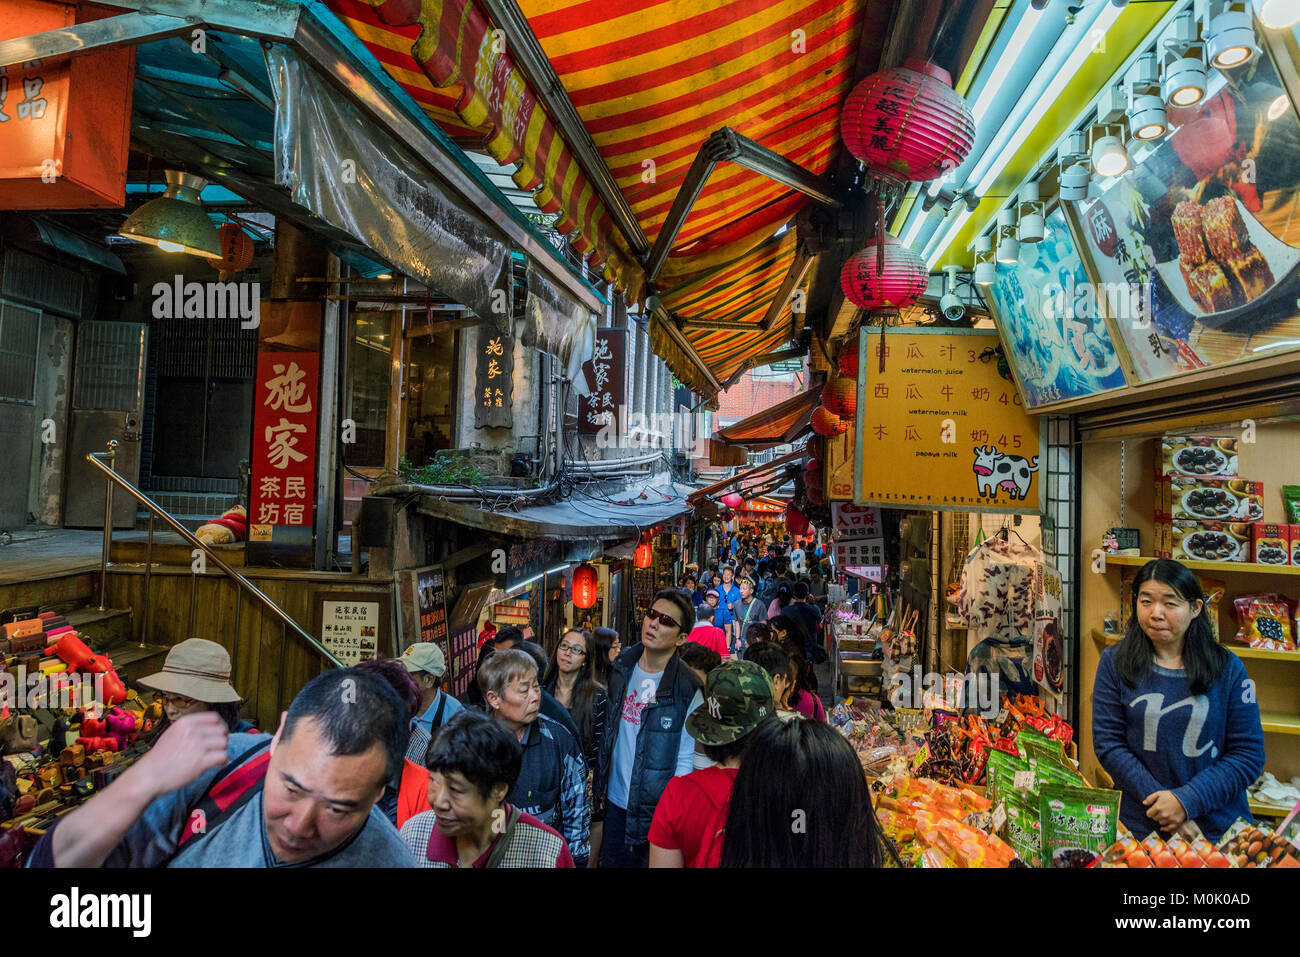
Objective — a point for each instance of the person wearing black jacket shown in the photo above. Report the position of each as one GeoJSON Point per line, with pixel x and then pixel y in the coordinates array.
{"type": "Point", "coordinates": [650, 694]}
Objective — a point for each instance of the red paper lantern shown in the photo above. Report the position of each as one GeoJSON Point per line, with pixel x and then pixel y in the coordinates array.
{"type": "Point", "coordinates": [584, 586]}
{"type": "Point", "coordinates": [643, 555]}
{"type": "Point", "coordinates": [908, 123]}
{"type": "Point", "coordinates": [733, 500]}
{"type": "Point", "coordinates": [796, 522]}
{"type": "Point", "coordinates": [841, 396]}
{"type": "Point", "coordinates": [812, 465]}
{"type": "Point", "coordinates": [898, 285]}
{"type": "Point", "coordinates": [813, 481]}
{"type": "Point", "coordinates": [825, 422]}
{"type": "Point", "coordinates": [847, 360]}
{"type": "Point", "coordinates": [236, 250]}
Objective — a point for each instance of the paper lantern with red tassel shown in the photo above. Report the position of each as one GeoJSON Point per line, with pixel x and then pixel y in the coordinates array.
{"type": "Point", "coordinates": [733, 500]}
{"type": "Point", "coordinates": [585, 585]}
{"type": "Point", "coordinates": [236, 250]}
{"type": "Point", "coordinates": [899, 284]}
{"type": "Point", "coordinates": [908, 123]}
{"type": "Point", "coordinates": [840, 395]}
{"type": "Point", "coordinates": [825, 422]}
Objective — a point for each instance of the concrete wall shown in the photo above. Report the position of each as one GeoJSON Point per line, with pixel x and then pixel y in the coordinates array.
{"type": "Point", "coordinates": [53, 387]}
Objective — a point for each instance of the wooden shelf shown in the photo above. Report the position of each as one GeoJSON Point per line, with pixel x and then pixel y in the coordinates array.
{"type": "Point", "coordinates": [1250, 568]}
{"type": "Point", "coordinates": [1104, 638]}
{"type": "Point", "coordinates": [1279, 723]}
{"type": "Point", "coordinates": [1268, 810]}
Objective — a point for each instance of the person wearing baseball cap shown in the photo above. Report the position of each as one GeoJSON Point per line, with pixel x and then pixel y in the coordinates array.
{"type": "Point", "coordinates": [738, 697]}
{"type": "Point", "coordinates": [196, 677]}
{"type": "Point", "coordinates": [427, 665]}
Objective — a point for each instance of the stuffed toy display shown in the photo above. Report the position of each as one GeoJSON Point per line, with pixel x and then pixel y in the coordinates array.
{"type": "Point", "coordinates": [231, 527]}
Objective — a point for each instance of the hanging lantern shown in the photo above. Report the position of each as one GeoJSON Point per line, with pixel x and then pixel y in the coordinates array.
{"type": "Point", "coordinates": [643, 555]}
{"type": "Point", "coordinates": [812, 465]}
{"type": "Point", "coordinates": [901, 281]}
{"type": "Point", "coordinates": [584, 586]}
{"type": "Point", "coordinates": [908, 123]}
{"type": "Point", "coordinates": [796, 522]}
{"type": "Point", "coordinates": [733, 500]}
{"type": "Point", "coordinates": [236, 250]}
{"type": "Point", "coordinates": [847, 360]}
{"type": "Point", "coordinates": [813, 482]}
{"type": "Point", "coordinates": [825, 422]}
{"type": "Point", "coordinates": [841, 396]}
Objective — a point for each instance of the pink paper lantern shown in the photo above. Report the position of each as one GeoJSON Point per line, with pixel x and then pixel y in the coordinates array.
{"type": "Point", "coordinates": [908, 123]}
{"type": "Point", "coordinates": [733, 500]}
{"type": "Point", "coordinates": [900, 283]}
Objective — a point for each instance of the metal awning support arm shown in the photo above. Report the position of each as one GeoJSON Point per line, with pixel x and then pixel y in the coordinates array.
{"type": "Point", "coordinates": [793, 277]}
{"type": "Point", "coordinates": [657, 309]}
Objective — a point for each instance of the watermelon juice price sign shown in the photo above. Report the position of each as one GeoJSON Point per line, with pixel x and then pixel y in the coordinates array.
{"type": "Point", "coordinates": [939, 428]}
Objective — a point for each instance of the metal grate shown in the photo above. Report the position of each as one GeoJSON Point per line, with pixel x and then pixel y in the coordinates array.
{"type": "Point", "coordinates": [20, 330]}
{"type": "Point", "coordinates": [38, 281]}
{"type": "Point", "coordinates": [1060, 542]}
{"type": "Point", "coordinates": [110, 366]}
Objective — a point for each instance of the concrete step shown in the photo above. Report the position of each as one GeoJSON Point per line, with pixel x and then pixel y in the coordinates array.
{"type": "Point", "coordinates": [102, 629]}
{"type": "Point", "coordinates": [133, 661]}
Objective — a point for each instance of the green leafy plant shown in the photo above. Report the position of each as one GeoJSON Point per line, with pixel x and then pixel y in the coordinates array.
{"type": "Point", "coordinates": [441, 471]}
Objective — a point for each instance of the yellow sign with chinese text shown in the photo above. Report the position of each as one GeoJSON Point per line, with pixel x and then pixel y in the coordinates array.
{"type": "Point", "coordinates": [939, 428]}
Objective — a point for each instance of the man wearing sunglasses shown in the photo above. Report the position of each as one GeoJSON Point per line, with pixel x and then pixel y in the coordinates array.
{"type": "Point", "coordinates": [650, 694]}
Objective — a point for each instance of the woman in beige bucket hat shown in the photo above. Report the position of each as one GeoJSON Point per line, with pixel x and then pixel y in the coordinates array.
{"type": "Point", "coordinates": [196, 677]}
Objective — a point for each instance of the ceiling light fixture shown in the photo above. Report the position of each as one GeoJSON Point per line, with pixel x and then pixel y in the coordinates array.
{"type": "Point", "coordinates": [1278, 14]}
{"type": "Point", "coordinates": [1230, 40]}
{"type": "Point", "coordinates": [1008, 252]}
{"type": "Point", "coordinates": [1075, 181]}
{"type": "Point", "coordinates": [175, 222]}
{"type": "Point", "coordinates": [986, 270]}
{"type": "Point", "coordinates": [1109, 158]}
{"type": "Point", "coordinates": [1032, 226]}
{"type": "Point", "coordinates": [1147, 117]}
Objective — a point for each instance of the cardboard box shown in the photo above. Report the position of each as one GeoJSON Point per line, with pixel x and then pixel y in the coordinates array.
{"type": "Point", "coordinates": [1211, 541]}
{"type": "Point", "coordinates": [1270, 544]}
{"type": "Point", "coordinates": [1215, 500]}
{"type": "Point", "coordinates": [1198, 456]}
{"type": "Point", "coordinates": [1162, 499]}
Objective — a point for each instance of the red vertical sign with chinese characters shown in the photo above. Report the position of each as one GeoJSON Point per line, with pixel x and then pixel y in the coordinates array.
{"type": "Point", "coordinates": [605, 374]}
{"type": "Point", "coordinates": [283, 481]}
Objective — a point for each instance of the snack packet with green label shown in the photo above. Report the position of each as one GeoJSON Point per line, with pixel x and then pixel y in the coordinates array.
{"type": "Point", "coordinates": [1291, 496]}
{"type": "Point", "coordinates": [1077, 824]}
{"type": "Point", "coordinates": [1021, 829]}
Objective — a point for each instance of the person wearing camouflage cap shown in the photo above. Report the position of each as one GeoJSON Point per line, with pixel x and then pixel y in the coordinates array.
{"type": "Point", "coordinates": [738, 697]}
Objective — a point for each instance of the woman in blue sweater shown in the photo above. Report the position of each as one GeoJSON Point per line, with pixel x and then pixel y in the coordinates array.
{"type": "Point", "coordinates": [1174, 716]}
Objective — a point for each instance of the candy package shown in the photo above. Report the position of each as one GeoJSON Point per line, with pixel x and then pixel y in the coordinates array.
{"type": "Point", "coordinates": [1076, 824]}
{"type": "Point", "coordinates": [1159, 852]}
{"type": "Point", "coordinates": [1124, 852]}
{"type": "Point", "coordinates": [1213, 589]}
{"type": "Point", "coordinates": [1264, 621]}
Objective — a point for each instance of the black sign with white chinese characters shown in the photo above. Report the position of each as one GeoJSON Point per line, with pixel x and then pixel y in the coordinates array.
{"type": "Point", "coordinates": [605, 375]}
{"type": "Point", "coordinates": [494, 380]}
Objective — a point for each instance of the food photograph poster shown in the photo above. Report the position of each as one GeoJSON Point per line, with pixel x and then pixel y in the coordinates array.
{"type": "Point", "coordinates": [1207, 226]}
{"type": "Point", "coordinates": [1051, 323]}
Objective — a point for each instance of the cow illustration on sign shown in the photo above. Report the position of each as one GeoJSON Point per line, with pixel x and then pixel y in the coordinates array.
{"type": "Point", "coordinates": [996, 471]}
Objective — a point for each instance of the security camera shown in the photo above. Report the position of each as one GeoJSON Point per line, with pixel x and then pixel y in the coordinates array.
{"type": "Point", "coordinates": [952, 306]}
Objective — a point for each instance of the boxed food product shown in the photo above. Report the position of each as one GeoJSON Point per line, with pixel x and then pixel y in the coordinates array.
{"type": "Point", "coordinates": [1270, 544]}
{"type": "Point", "coordinates": [1162, 498]}
{"type": "Point", "coordinates": [1293, 537]}
{"type": "Point", "coordinates": [1199, 455]}
{"type": "Point", "coordinates": [1216, 500]}
{"type": "Point", "coordinates": [1211, 541]}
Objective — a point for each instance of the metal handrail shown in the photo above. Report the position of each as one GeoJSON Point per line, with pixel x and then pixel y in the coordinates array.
{"type": "Point", "coordinates": [156, 509]}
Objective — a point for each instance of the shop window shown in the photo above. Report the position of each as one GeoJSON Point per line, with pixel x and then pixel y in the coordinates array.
{"type": "Point", "coordinates": [431, 377]}
{"type": "Point", "coordinates": [19, 331]}
{"type": "Point", "coordinates": [370, 364]}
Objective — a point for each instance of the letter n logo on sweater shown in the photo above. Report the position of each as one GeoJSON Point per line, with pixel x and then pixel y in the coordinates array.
{"type": "Point", "coordinates": [1154, 709]}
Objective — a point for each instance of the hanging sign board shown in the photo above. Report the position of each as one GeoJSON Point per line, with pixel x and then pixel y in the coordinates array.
{"type": "Point", "coordinates": [494, 380]}
{"type": "Point", "coordinates": [605, 375]}
{"type": "Point", "coordinates": [460, 663]}
{"type": "Point", "coordinates": [940, 429]}
{"type": "Point", "coordinates": [349, 624]}
{"type": "Point", "coordinates": [855, 521]}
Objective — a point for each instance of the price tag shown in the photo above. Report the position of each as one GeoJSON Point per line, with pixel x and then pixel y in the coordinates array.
{"type": "Point", "coordinates": [1023, 781]}
{"type": "Point", "coordinates": [921, 757]}
{"type": "Point", "coordinates": [999, 816]}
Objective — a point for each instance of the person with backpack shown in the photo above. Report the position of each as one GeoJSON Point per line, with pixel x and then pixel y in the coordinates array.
{"type": "Point", "coordinates": [738, 697]}
{"type": "Point", "coordinates": [203, 797]}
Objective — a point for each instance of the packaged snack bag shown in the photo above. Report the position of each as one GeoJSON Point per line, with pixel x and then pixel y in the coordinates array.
{"type": "Point", "coordinates": [1077, 824]}
{"type": "Point", "coordinates": [1248, 844]}
{"type": "Point", "coordinates": [1264, 622]}
{"type": "Point", "coordinates": [1021, 830]}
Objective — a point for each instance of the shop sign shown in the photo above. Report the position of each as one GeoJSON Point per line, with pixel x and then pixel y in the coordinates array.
{"type": "Point", "coordinates": [461, 660]}
{"type": "Point", "coordinates": [349, 625]}
{"type": "Point", "coordinates": [283, 477]}
{"type": "Point", "coordinates": [431, 599]}
{"type": "Point", "coordinates": [855, 521]}
{"type": "Point", "coordinates": [606, 375]}
{"type": "Point", "coordinates": [1049, 643]}
{"type": "Point", "coordinates": [859, 551]}
{"type": "Point", "coordinates": [1202, 229]}
{"type": "Point", "coordinates": [940, 429]}
{"type": "Point", "coordinates": [494, 380]}
{"type": "Point", "coordinates": [1051, 320]}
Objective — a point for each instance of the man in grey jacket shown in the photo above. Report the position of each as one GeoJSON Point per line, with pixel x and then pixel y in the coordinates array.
{"type": "Point", "coordinates": [310, 804]}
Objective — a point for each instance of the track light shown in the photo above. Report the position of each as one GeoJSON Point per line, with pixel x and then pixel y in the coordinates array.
{"type": "Point", "coordinates": [1008, 252]}
{"type": "Point", "coordinates": [1109, 158]}
{"type": "Point", "coordinates": [1185, 81]}
{"type": "Point", "coordinates": [1075, 181]}
{"type": "Point", "coordinates": [1230, 41]}
{"type": "Point", "coordinates": [1032, 226]}
{"type": "Point", "coordinates": [986, 270]}
{"type": "Point", "coordinates": [1147, 117]}
{"type": "Point", "coordinates": [1278, 14]}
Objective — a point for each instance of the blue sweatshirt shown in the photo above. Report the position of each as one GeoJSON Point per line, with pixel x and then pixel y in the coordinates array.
{"type": "Point", "coordinates": [1206, 749]}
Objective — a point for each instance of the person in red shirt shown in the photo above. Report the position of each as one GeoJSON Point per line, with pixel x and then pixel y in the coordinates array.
{"type": "Point", "coordinates": [738, 697]}
{"type": "Point", "coordinates": [706, 632]}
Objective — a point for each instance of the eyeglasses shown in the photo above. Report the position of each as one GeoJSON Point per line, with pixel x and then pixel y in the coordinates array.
{"type": "Point", "coordinates": [179, 700]}
{"type": "Point", "coordinates": [652, 615]}
{"type": "Point", "coordinates": [573, 649]}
